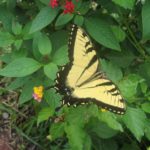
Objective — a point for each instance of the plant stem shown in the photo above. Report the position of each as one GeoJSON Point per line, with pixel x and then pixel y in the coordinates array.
{"type": "Point", "coordinates": [135, 42]}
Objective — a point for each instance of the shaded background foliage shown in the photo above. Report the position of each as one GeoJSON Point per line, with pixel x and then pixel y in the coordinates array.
{"type": "Point", "coordinates": [33, 44]}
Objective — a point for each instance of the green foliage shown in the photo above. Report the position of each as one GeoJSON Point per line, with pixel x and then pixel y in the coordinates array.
{"type": "Point", "coordinates": [102, 32]}
{"type": "Point", "coordinates": [33, 44]}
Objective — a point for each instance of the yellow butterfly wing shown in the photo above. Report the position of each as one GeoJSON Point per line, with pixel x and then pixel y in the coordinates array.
{"type": "Point", "coordinates": [81, 81]}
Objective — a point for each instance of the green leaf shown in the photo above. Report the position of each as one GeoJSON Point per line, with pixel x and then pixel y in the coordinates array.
{"type": "Point", "coordinates": [18, 82]}
{"type": "Point", "coordinates": [6, 39]}
{"type": "Point", "coordinates": [144, 71]}
{"type": "Point", "coordinates": [122, 59]}
{"type": "Point", "coordinates": [60, 57]}
{"type": "Point", "coordinates": [86, 8]}
{"type": "Point", "coordinates": [57, 130]}
{"type": "Point", "coordinates": [44, 17]}
{"type": "Point", "coordinates": [101, 129]}
{"type": "Point", "coordinates": [63, 19]}
{"type": "Point", "coordinates": [103, 144]}
{"type": "Point", "coordinates": [125, 3]}
{"type": "Point", "coordinates": [146, 20]}
{"type": "Point", "coordinates": [112, 70]}
{"type": "Point", "coordinates": [44, 114]}
{"type": "Point", "coordinates": [76, 136]}
{"type": "Point", "coordinates": [50, 70]}
{"type": "Point", "coordinates": [144, 87]}
{"type": "Point", "coordinates": [132, 146]}
{"type": "Point", "coordinates": [44, 44]}
{"type": "Point", "coordinates": [81, 114]}
{"type": "Point", "coordinates": [20, 67]}
{"type": "Point", "coordinates": [18, 44]}
{"type": "Point", "coordinates": [60, 37]}
{"type": "Point", "coordinates": [128, 86]}
{"type": "Point", "coordinates": [16, 28]}
{"type": "Point", "coordinates": [52, 98]}
{"type": "Point", "coordinates": [11, 4]}
{"type": "Point", "coordinates": [78, 20]}
{"type": "Point", "coordinates": [135, 120]}
{"type": "Point", "coordinates": [46, 2]}
{"type": "Point", "coordinates": [146, 107]}
{"type": "Point", "coordinates": [119, 33]}
{"type": "Point", "coordinates": [27, 92]}
{"type": "Point", "coordinates": [101, 31]}
{"type": "Point", "coordinates": [6, 17]}
{"type": "Point", "coordinates": [111, 120]}
{"type": "Point", "coordinates": [147, 129]}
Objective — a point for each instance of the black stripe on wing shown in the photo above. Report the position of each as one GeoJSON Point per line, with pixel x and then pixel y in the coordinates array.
{"type": "Point", "coordinates": [91, 62]}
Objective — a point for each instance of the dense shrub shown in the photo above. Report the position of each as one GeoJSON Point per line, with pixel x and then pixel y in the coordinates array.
{"type": "Point", "coordinates": [33, 41]}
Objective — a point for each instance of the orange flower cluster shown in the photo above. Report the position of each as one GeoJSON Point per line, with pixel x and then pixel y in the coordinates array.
{"type": "Point", "coordinates": [38, 93]}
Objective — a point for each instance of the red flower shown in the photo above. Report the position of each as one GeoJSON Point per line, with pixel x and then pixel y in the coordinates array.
{"type": "Point", "coordinates": [53, 3]}
{"type": "Point", "coordinates": [69, 7]}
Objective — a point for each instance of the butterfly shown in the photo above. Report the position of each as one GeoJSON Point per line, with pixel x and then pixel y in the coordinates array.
{"type": "Point", "coordinates": [81, 81]}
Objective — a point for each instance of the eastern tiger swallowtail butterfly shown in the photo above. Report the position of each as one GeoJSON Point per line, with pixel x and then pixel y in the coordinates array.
{"type": "Point", "coordinates": [80, 81]}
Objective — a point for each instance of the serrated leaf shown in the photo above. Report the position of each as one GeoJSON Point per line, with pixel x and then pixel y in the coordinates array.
{"type": "Point", "coordinates": [60, 57]}
{"type": "Point", "coordinates": [76, 136]}
{"type": "Point", "coordinates": [50, 70]}
{"type": "Point", "coordinates": [44, 44]}
{"type": "Point", "coordinates": [44, 114]}
{"type": "Point", "coordinates": [63, 19]}
{"type": "Point", "coordinates": [101, 129]}
{"type": "Point", "coordinates": [44, 17]}
{"type": "Point", "coordinates": [146, 19]}
{"type": "Point", "coordinates": [128, 85]}
{"type": "Point", "coordinates": [112, 70]}
{"type": "Point", "coordinates": [20, 67]}
{"type": "Point", "coordinates": [57, 130]}
{"type": "Point", "coordinates": [101, 31]}
{"type": "Point", "coordinates": [135, 120]}
{"type": "Point", "coordinates": [125, 3]}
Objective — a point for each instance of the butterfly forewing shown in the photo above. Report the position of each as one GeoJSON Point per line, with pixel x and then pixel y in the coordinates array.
{"type": "Point", "coordinates": [84, 60]}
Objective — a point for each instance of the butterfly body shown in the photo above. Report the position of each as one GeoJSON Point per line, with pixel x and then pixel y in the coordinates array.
{"type": "Point", "coordinates": [80, 81]}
